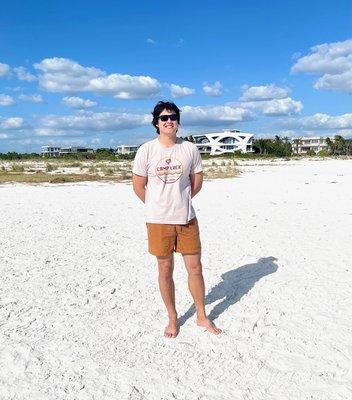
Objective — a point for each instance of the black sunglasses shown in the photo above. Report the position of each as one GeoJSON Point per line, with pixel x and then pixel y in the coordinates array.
{"type": "Point", "coordinates": [164, 118]}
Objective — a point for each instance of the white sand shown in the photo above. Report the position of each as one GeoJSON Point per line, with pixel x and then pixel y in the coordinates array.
{"type": "Point", "coordinates": [81, 316]}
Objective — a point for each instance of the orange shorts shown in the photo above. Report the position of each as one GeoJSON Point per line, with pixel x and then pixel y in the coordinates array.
{"type": "Point", "coordinates": [164, 239]}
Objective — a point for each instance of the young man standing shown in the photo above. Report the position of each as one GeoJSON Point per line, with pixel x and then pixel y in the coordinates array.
{"type": "Point", "coordinates": [167, 173]}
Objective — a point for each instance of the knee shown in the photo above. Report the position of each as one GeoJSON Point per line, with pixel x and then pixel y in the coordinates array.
{"type": "Point", "coordinates": [165, 269]}
{"type": "Point", "coordinates": [195, 269]}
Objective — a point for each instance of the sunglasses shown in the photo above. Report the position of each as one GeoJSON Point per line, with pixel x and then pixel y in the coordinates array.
{"type": "Point", "coordinates": [164, 118]}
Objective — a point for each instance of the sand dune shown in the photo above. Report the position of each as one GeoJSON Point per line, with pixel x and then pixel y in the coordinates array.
{"type": "Point", "coordinates": [82, 318]}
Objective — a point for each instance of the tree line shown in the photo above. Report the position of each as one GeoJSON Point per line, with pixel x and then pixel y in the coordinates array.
{"type": "Point", "coordinates": [99, 154]}
{"type": "Point", "coordinates": [283, 147]}
{"type": "Point", "coordinates": [276, 147]}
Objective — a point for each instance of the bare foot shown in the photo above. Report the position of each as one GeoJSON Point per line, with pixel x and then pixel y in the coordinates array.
{"type": "Point", "coordinates": [171, 331]}
{"type": "Point", "coordinates": [208, 325]}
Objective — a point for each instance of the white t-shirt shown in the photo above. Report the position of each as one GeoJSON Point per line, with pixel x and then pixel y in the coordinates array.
{"type": "Point", "coordinates": [168, 191]}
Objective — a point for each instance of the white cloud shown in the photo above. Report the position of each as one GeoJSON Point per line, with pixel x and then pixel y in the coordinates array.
{"type": "Point", "coordinates": [179, 91]}
{"type": "Point", "coordinates": [125, 86]}
{"type": "Point", "coordinates": [214, 89]}
{"type": "Point", "coordinates": [151, 41]}
{"type": "Point", "coordinates": [6, 100]}
{"type": "Point", "coordinates": [262, 93]}
{"type": "Point", "coordinates": [214, 115]}
{"type": "Point", "coordinates": [333, 61]}
{"type": "Point", "coordinates": [271, 100]}
{"type": "Point", "coordinates": [12, 123]}
{"type": "Point", "coordinates": [64, 75]}
{"type": "Point", "coordinates": [33, 98]}
{"type": "Point", "coordinates": [78, 102]}
{"type": "Point", "coordinates": [89, 122]}
{"type": "Point", "coordinates": [4, 136]}
{"type": "Point", "coordinates": [275, 107]}
{"type": "Point", "coordinates": [23, 75]}
{"type": "Point", "coordinates": [4, 69]}
{"type": "Point", "coordinates": [321, 121]}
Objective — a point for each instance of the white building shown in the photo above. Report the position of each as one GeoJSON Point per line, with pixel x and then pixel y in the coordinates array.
{"type": "Point", "coordinates": [75, 150]}
{"type": "Point", "coordinates": [125, 149]}
{"type": "Point", "coordinates": [224, 142]}
{"type": "Point", "coordinates": [50, 151]}
{"type": "Point", "coordinates": [301, 145]}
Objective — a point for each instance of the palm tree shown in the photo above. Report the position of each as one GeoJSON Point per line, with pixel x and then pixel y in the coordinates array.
{"type": "Point", "coordinates": [297, 142]}
{"type": "Point", "coordinates": [340, 144]}
{"type": "Point", "coordinates": [262, 145]}
{"type": "Point", "coordinates": [331, 145]}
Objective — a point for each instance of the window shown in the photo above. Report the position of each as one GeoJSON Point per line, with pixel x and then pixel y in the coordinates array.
{"type": "Point", "coordinates": [228, 140]}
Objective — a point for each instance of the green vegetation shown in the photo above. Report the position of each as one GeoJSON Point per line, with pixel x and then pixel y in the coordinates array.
{"type": "Point", "coordinates": [42, 177]}
{"type": "Point", "coordinates": [278, 147]}
{"type": "Point", "coordinates": [281, 147]}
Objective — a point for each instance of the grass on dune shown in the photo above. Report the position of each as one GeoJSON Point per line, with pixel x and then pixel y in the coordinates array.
{"type": "Point", "coordinates": [8, 177]}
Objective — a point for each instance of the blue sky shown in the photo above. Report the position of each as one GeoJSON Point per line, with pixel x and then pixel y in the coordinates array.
{"type": "Point", "coordinates": [89, 73]}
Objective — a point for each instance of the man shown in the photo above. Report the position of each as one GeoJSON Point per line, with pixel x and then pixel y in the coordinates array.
{"type": "Point", "coordinates": [167, 173]}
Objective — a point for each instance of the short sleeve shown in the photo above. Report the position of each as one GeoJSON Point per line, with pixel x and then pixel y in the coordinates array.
{"type": "Point", "coordinates": [197, 161]}
{"type": "Point", "coordinates": [140, 162]}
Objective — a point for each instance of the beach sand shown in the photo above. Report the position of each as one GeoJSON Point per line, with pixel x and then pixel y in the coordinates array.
{"type": "Point", "coordinates": [81, 316]}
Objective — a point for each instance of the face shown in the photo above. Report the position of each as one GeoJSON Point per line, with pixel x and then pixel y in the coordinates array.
{"type": "Point", "coordinates": [168, 127]}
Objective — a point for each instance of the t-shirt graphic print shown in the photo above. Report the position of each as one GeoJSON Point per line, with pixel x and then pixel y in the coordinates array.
{"type": "Point", "coordinates": [168, 170]}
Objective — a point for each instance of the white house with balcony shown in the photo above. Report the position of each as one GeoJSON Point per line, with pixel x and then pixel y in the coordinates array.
{"type": "Point", "coordinates": [227, 141]}
{"type": "Point", "coordinates": [126, 149]}
{"type": "Point", "coordinates": [301, 145]}
{"type": "Point", "coordinates": [50, 151]}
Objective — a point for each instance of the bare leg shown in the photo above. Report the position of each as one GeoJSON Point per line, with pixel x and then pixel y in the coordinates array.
{"type": "Point", "coordinates": [197, 289]}
{"type": "Point", "coordinates": [167, 291]}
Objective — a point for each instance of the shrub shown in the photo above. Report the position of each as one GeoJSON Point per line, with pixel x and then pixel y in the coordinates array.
{"type": "Point", "coordinates": [323, 153]}
{"type": "Point", "coordinates": [311, 153]}
{"type": "Point", "coordinates": [50, 167]}
{"type": "Point", "coordinates": [17, 168]}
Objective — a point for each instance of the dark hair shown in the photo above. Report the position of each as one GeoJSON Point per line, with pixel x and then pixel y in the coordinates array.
{"type": "Point", "coordinates": [160, 107]}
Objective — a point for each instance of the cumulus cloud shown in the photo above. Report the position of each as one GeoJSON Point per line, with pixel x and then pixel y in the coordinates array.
{"type": "Point", "coordinates": [89, 122]}
{"type": "Point", "coordinates": [12, 123]}
{"type": "Point", "coordinates": [4, 69]}
{"type": "Point", "coordinates": [321, 121]}
{"type": "Point", "coordinates": [333, 61]}
{"type": "Point", "coordinates": [64, 75]}
{"type": "Point", "coordinates": [32, 98]}
{"type": "Point", "coordinates": [262, 93]}
{"type": "Point", "coordinates": [270, 100]}
{"type": "Point", "coordinates": [78, 102]}
{"type": "Point", "coordinates": [23, 75]}
{"type": "Point", "coordinates": [275, 107]}
{"type": "Point", "coordinates": [4, 136]}
{"type": "Point", "coordinates": [214, 89]}
{"type": "Point", "coordinates": [214, 115]}
{"type": "Point", "coordinates": [6, 100]}
{"type": "Point", "coordinates": [151, 41]}
{"type": "Point", "coordinates": [125, 86]}
{"type": "Point", "coordinates": [179, 91]}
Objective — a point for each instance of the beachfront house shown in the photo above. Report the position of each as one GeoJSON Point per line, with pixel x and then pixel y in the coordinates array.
{"type": "Point", "coordinates": [227, 141]}
{"type": "Point", "coordinates": [301, 145]}
{"type": "Point", "coordinates": [126, 149]}
{"type": "Point", "coordinates": [50, 151]}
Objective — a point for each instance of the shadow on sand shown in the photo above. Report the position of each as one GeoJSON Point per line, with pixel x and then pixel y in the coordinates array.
{"type": "Point", "coordinates": [235, 284]}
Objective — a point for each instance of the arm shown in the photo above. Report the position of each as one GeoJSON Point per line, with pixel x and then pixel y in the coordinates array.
{"type": "Point", "coordinates": [196, 183]}
{"type": "Point", "coordinates": [139, 184]}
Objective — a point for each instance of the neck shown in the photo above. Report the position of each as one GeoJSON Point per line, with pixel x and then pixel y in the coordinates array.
{"type": "Point", "coordinates": [167, 140]}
